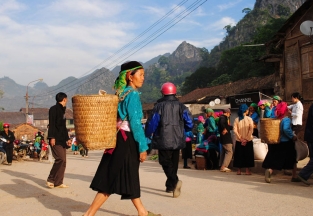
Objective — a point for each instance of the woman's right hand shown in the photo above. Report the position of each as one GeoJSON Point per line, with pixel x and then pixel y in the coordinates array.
{"type": "Point", "coordinates": [142, 156]}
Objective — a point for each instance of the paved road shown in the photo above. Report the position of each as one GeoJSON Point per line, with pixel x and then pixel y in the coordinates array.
{"type": "Point", "coordinates": [23, 192]}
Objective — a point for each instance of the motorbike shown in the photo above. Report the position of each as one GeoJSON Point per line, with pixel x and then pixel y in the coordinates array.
{"type": "Point", "coordinates": [20, 150]}
{"type": "Point", "coordinates": [3, 156]}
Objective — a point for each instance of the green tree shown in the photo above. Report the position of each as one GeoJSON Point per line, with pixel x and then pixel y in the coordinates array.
{"type": "Point", "coordinates": [246, 10]}
{"type": "Point", "coordinates": [228, 28]}
{"type": "Point", "coordinates": [163, 60]}
{"type": "Point", "coordinates": [199, 79]}
{"type": "Point", "coordinates": [224, 78]}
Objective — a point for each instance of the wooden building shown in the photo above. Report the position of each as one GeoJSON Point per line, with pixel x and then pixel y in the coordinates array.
{"type": "Point", "coordinates": [294, 65]}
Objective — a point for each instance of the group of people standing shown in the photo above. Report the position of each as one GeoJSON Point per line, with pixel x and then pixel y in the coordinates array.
{"type": "Point", "coordinates": [280, 156]}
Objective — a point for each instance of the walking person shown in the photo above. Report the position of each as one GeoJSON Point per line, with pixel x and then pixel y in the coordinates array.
{"type": "Point", "coordinates": [296, 111]}
{"type": "Point", "coordinates": [118, 171]}
{"type": "Point", "coordinates": [226, 140]}
{"type": "Point", "coordinates": [243, 129]}
{"type": "Point", "coordinates": [283, 154]}
{"type": "Point", "coordinates": [168, 123]}
{"type": "Point", "coordinates": [307, 171]}
{"type": "Point", "coordinates": [9, 145]}
{"type": "Point", "coordinates": [58, 140]}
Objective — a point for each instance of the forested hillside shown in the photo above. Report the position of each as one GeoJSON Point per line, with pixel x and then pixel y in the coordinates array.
{"type": "Point", "coordinates": [228, 61]}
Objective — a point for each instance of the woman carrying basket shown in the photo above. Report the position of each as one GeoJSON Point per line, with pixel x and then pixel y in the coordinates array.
{"type": "Point", "coordinates": [282, 155]}
{"type": "Point", "coordinates": [118, 171]}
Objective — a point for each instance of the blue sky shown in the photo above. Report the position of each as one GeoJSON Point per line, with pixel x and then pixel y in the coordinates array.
{"type": "Point", "coordinates": [55, 39]}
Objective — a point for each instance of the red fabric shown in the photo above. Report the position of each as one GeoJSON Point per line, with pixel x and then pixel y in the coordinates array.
{"type": "Point", "coordinates": [202, 150]}
{"type": "Point", "coordinates": [111, 150]}
{"type": "Point", "coordinates": [281, 110]}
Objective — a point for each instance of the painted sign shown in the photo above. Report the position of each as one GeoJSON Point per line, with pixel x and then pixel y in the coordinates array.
{"type": "Point", "coordinates": [237, 100]}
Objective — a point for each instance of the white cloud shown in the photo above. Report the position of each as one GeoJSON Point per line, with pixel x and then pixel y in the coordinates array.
{"type": "Point", "coordinates": [228, 5]}
{"type": "Point", "coordinates": [220, 24]}
{"type": "Point", "coordinates": [95, 8]}
{"type": "Point", "coordinates": [10, 5]}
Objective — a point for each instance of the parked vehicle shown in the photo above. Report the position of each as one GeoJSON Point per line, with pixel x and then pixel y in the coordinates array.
{"type": "Point", "coordinates": [3, 156]}
{"type": "Point", "coordinates": [20, 150]}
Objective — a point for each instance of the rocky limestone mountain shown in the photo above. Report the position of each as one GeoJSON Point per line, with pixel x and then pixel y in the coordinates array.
{"type": "Point", "coordinates": [278, 7]}
{"type": "Point", "coordinates": [243, 32]}
{"type": "Point", "coordinates": [185, 58]}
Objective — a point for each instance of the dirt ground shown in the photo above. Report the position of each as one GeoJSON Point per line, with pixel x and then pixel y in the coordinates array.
{"type": "Point", "coordinates": [204, 192]}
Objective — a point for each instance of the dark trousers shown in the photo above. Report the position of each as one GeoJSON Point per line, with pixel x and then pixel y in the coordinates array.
{"type": "Point", "coordinates": [56, 175]}
{"type": "Point", "coordinates": [296, 128]}
{"type": "Point", "coordinates": [9, 152]}
{"type": "Point", "coordinates": [307, 171]}
{"type": "Point", "coordinates": [169, 161]}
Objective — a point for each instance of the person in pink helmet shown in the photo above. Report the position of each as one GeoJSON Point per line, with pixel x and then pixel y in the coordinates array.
{"type": "Point", "coordinates": [168, 123]}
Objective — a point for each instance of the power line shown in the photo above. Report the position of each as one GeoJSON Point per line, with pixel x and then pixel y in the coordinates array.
{"type": "Point", "coordinates": [163, 27]}
{"type": "Point", "coordinates": [180, 18]}
{"type": "Point", "coordinates": [124, 47]}
{"type": "Point", "coordinates": [96, 76]}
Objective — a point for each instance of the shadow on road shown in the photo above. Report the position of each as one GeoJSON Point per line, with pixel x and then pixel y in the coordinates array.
{"type": "Point", "coordinates": [65, 206]}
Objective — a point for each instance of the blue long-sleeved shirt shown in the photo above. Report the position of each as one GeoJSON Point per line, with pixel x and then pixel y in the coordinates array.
{"type": "Point", "coordinates": [267, 112]}
{"type": "Point", "coordinates": [131, 108]}
{"type": "Point", "coordinates": [255, 117]}
{"type": "Point", "coordinates": [273, 112]}
{"type": "Point", "coordinates": [286, 133]}
{"type": "Point", "coordinates": [210, 124]}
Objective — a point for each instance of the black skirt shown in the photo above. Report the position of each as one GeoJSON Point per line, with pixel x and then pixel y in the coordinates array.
{"type": "Point", "coordinates": [118, 173]}
{"type": "Point", "coordinates": [244, 155]}
{"type": "Point", "coordinates": [187, 151]}
{"type": "Point", "coordinates": [280, 156]}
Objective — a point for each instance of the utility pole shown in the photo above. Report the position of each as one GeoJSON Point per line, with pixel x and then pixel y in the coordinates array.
{"type": "Point", "coordinates": [26, 97]}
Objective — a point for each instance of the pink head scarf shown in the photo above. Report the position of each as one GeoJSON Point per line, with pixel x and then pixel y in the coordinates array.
{"type": "Point", "coordinates": [201, 119]}
{"type": "Point", "coordinates": [281, 110]}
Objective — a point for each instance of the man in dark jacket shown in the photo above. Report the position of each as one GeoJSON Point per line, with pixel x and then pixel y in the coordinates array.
{"type": "Point", "coordinates": [58, 139]}
{"type": "Point", "coordinates": [225, 139]}
{"type": "Point", "coordinates": [167, 124]}
{"type": "Point", "coordinates": [9, 145]}
{"type": "Point", "coordinates": [307, 171]}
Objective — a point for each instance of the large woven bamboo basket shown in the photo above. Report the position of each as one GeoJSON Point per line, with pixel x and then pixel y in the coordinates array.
{"type": "Point", "coordinates": [95, 120]}
{"type": "Point", "coordinates": [270, 130]}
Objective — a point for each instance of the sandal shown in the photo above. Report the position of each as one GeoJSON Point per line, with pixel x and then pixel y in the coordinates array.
{"type": "Point", "coordinates": [225, 169]}
{"type": "Point", "coordinates": [62, 186]}
{"type": "Point", "coordinates": [50, 185]}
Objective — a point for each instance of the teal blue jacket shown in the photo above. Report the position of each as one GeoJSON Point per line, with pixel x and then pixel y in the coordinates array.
{"type": "Point", "coordinates": [131, 108]}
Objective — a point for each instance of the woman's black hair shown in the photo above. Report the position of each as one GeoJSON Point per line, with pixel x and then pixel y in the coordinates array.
{"type": "Point", "coordinates": [297, 95]}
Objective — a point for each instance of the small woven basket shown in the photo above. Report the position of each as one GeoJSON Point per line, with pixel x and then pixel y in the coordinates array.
{"type": "Point", "coordinates": [200, 162]}
{"type": "Point", "coordinates": [95, 120]}
{"type": "Point", "coordinates": [270, 130]}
